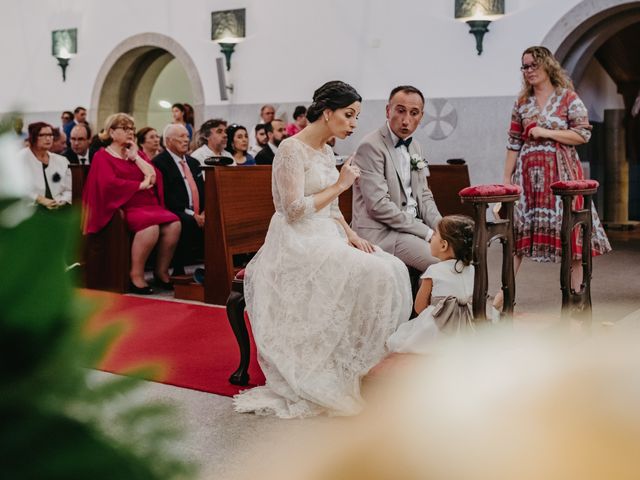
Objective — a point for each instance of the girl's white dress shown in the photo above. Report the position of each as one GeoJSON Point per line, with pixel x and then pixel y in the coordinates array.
{"type": "Point", "coordinates": [450, 309]}
{"type": "Point", "coordinates": [321, 310]}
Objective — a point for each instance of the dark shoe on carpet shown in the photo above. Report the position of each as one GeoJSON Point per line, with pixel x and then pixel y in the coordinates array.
{"type": "Point", "coordinates": [163, 285]}
{"type": "Point", "coordinates": [140, 290]}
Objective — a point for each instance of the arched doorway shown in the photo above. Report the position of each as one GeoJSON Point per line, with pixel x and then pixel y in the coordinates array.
{"type": "Point", "coordinates": [129, 77]}
{"type": "Point", "coordinates": [603, 36]}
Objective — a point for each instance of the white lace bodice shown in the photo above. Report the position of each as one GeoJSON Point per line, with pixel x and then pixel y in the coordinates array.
{"type": "Point", "coordinates": [299, 172]}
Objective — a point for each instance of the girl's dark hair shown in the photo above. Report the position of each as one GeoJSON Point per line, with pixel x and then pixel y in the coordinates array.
{"type": "Point", "coordinates": [458, 231]}
{"type": "Point", "coordinates": [332, 95]}
{"type": "Point", "coordinates": [231, 132]}
{"type": "Point", "coordinates": [34, 130]}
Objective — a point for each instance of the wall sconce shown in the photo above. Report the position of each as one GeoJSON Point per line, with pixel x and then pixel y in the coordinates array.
{"type": "Point", "coordinates": [227, 29]}
{"type": "Point", "coordinates": [478, 14]}
{"type": "Point", "coordinates": [64, 45]}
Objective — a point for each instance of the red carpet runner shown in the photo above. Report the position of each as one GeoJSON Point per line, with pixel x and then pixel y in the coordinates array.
{"type": "Point", "coordinates": [192, 346]}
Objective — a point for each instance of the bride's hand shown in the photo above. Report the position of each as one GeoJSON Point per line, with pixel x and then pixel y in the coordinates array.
{"type": "Point", "coordinates": [348, 174]}
{"type": "Point", "coordinates": [360, 243]}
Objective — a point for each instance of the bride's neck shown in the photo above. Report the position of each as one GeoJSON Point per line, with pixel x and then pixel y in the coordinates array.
{"type": "Point", "coordinates": [315, 135]}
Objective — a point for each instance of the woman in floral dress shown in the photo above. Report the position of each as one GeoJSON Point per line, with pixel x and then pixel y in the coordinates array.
{"type": "Point", "coordinates": [547, 122]}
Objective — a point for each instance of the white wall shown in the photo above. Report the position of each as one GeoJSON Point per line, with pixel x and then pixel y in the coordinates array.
{"type": "Point", "coordinates": [292, 46]}
{"type": "Point", "coordinates": [172, 86]}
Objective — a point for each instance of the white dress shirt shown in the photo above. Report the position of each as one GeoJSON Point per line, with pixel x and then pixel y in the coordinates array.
{"type": "Point", "coordinates": [405, 173]}
{"type": "Point", "coordinates": [85, 156]}
{"type": "Point", "coordinates": [177, 159]}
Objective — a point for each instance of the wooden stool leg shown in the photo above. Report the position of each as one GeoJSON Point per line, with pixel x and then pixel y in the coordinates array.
{"type": "Point", "coordinates": [508, 275]}
{"type": "Point", "coordinates": [567, 254]}
{"type": "Point", "coordinates": [235, 313]}
{"type": "Point", "coordinates": [481, 278]}
{"type": "Point", "coordinates": [576, 304]}
{"type": "Point", "coordinates": [586, 259]}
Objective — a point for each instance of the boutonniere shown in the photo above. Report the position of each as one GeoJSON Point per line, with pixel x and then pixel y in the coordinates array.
{"type": "Point", "coordinates": [417, 162]}
{"type": "Point", "coordinates": [56, 177]}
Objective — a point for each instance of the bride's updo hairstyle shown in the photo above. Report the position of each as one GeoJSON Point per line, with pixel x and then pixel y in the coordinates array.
{"type": "Point", "coordinates": [332, 95]}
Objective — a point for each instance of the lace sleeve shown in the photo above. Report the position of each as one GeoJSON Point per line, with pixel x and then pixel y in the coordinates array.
{"type": "Point", "coordinates": [288, 172]}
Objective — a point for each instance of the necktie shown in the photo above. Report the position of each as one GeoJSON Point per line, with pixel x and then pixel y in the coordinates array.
{"type": "Point", "coordinates": [83, 160]}
{"type": "Point", "coordinates": [406, 142]}
{"type": "Point", "coordinates": [192, 185]}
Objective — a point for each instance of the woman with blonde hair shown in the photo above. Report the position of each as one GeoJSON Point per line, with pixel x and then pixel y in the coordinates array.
{"type": "Point", "coordinates": [121, 178]}
{"type": "Point", "coordinates": [547, 122]}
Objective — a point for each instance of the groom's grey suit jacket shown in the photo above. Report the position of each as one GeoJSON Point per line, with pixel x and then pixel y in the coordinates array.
{"type": "Point", "coordinates": [379, 200]}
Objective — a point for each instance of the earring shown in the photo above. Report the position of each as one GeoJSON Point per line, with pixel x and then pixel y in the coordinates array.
{"type": "Point", "coordinates": [326, 118]}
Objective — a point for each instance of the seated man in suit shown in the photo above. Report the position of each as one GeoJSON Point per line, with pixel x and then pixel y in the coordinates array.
{"type": "Point", "coordinates": [393, 206]}
{"type": "Point", "coordinates": [275, 133]}
{"type": "Point", "coordinates": [79, 150]}
{"type": "Point", "coordinates": [183, 192]}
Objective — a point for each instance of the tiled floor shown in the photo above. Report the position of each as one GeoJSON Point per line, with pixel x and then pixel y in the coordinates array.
{"type": "Point", "coordinates": [222, 441]}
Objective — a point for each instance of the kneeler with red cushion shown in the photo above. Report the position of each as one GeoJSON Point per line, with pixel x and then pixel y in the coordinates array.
{"type": "Point", "coordinates": [235, 314]}
{"type": "Point", "coordinates": [577, 304]}
{"type": "Point", "coordinates": [485, 231]}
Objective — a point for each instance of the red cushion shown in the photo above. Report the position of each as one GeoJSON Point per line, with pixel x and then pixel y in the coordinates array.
{"type": "Point", "coordinates": [495, 190]}
{"type": "Point", "coordinates": [239, 275]}
{"type": "Point", "coordinates": [575, 184]}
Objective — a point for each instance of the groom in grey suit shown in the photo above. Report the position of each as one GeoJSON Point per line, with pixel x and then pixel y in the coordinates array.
{"type": "Point", "coordinates": [392, 204]}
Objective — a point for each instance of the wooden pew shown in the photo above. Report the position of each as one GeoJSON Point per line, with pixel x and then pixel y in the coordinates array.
{"type": "Point", "coordinates": [238, 209]}
{"type": "Point", "coordinates": [106, 255]}
{"type": "Point", "coordinates": [78, 178]}
{"type": "Point", "coordinates": [445, 182]}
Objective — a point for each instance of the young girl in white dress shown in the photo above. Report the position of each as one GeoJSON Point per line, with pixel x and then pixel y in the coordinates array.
{"type": "Point", "coordinates": [443, 302]}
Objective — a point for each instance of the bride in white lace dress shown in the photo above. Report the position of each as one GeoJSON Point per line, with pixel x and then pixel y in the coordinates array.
{"type": "Point", "coordinates": [321, 300]}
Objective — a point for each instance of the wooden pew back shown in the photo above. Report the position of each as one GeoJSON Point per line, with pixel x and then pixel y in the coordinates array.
{"type": "Point", "coordinates": [445, 182]}
{"type": "Point", "coordinates": [238, 209]}
{"type": "Point", "coordinates": [106, 255]}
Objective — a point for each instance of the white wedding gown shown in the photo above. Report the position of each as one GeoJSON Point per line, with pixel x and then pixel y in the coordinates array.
{"type": "Point", "coordinates": [320, 309]}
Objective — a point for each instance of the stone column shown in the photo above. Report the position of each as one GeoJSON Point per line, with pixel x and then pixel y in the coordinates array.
{"type": "Point", "coordinates": [616, 184]}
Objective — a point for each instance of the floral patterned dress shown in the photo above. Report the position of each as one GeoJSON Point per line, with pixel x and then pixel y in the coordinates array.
{"type": "Point", "coordinates": [540, 162]}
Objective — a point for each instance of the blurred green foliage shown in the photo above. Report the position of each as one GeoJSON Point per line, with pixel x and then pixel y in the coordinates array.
{"type": "Point", "coordinates": [54, 424]}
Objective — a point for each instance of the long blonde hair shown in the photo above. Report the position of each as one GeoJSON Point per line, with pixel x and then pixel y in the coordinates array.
{"type": "Point", "coordinates": [545, 59]}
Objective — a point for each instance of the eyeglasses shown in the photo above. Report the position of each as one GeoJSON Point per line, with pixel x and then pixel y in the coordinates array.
{"type": "Point", "coordinates": [45, 135]}
{"type": "Point", "coordinates": [529, 67]}
{"type": "Point", "coordinates": [126, 129]}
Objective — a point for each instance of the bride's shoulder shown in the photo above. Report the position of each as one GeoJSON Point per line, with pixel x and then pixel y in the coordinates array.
{"type": "Point", "coordinates": [289, 146]}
